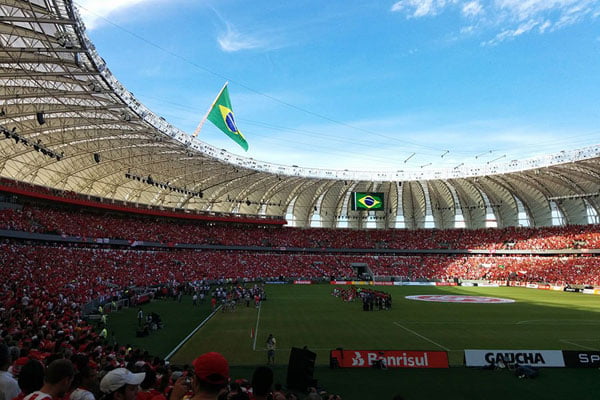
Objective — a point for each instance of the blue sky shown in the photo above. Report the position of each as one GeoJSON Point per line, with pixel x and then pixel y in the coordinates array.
{"type": "Point", "coordinates": [365, 84]}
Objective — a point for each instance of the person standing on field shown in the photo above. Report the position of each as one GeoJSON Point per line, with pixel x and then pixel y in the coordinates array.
{"type": "Point", "coordinates": [271, 344]}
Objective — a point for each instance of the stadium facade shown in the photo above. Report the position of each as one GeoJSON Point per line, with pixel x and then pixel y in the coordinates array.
{"type": "Point", "coordinates": [69, 125]}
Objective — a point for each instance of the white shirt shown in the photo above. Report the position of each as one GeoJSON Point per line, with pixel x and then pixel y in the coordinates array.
{"type": "Point", "coordinates": [9, 387]}
{"type": "Point", "coordinates": [81, 394]}
{"type": "Point", "coordinates": [38, 396]}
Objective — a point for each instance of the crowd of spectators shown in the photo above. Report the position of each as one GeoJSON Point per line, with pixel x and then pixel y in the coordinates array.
{"type": "Point", "coordinates": [63, 375]}
{"type": "Point", "coordinates": [83, 272]}
{"type": "Point", "coordinates": [79, 274]}
{"type": "Point", "coordinates": [87, 224]}
{"type": "Point", "coordinates": [43, 290]}
{"type": "Point", "coordinates": [552, 270]}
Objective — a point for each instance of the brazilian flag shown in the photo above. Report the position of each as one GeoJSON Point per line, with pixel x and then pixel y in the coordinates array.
{"type": "Point", "coordinates": [368, 201]}
{"type": "Point", "coordinates": [221, 115]}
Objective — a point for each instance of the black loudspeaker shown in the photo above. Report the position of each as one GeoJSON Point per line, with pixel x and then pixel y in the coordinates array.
{"type": "Point", "coordinates": [97, 157]}
{"type": "Point", "coordinates": [301, 368]}
{"type": "Point", "coordinates": [40, 118]}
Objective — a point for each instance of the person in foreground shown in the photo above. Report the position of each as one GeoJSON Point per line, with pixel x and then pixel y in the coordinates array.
{"type": "Point", "coordinates": [57, 381]}
{"type": "Point", "coordinates": [9, 387]}
{"type": "Point", "coordinates": [211, 376]}
{"type": "Point", "coordinates": [121, 384]}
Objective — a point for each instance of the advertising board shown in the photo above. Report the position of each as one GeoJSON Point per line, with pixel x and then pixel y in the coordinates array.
{"type": "Point", "coordinates": [391, 358]}
{"type": "Point", "coordinates": [582, 359]}
{"type": "Point", "coordinates": [534, 358]}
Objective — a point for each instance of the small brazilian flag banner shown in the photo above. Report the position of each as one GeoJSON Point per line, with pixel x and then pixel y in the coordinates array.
{"type": "Point", "coordinates": [221, 115]}
{"type": "Point", "coordinates": [367, 201]}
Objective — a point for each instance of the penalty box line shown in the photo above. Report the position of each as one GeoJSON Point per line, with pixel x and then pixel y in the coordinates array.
{"type": "Point", "coordinates": [422, 337]}
{"type": "Point", "coordinates": [573, 343]}
{"type": "Point", "coordinates": [256, 329]}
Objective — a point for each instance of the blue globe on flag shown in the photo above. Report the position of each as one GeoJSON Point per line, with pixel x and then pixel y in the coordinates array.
{"type": "Point", "coordinates": [369, 201]}
{"type": "Point", "coordinates": [231, 122]}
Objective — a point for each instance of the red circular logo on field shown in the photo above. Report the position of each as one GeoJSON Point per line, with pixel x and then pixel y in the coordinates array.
{"type": "Point", "coordinates": [459, 299]}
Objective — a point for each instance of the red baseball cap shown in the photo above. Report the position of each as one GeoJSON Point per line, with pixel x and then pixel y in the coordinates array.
{"type": "Point", "coordinates": [212, 368]}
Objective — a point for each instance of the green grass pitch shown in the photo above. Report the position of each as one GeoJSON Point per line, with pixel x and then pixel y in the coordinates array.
{"type": "Point", "coordinates": [310, 316]}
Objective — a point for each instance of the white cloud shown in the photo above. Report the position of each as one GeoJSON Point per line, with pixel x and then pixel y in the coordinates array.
{"type": "Point", "coordinates": [472, 9]}
{"type": "Point", "coordinates": [94, 11]}
{"type": "Point", "coordinates": [544, 26]}
{"type": "Point", "coordinates": [524, 9]}
{"type": "Point", "coordinates": [421, 8]}
{"type": "Point", "coordinates": [512, 33]}
{"type": "Point", "coordinates": [232, 40]}
{"type": "Point", "coordinates": [511, 18]}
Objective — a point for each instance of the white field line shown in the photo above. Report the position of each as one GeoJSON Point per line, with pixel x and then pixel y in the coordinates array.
{"type": "Point", "coordinates": [256, 329]}
{"type": "Point", "coordinates": [579, 345]}
{"type": "Point", "coordinates": [176, 349]}
{"type": "Point", "coordinates": [325, 348]}
{"type": "Point", "coordinates": [421, 336]}
{"type": "Point", "coordinates": [459, 322]}
{"type": "Point", "coordinates": [308, 347]}
{"type": "Point", "coordinates": [558, 321]}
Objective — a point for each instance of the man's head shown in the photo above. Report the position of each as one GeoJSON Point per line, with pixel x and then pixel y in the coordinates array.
{"type": "Point", "coordinates": [211, 373]}
{"type": "Point", "coordinates": [31, 377]}
{"type": "Point", "coordinates": [121, 384]}
{"type": "Point", "coordinates": [59, 375]}
{"type": "Point", "coordinates": [262, 380]}
{"type": "Point", "coordinates": [4, 357]}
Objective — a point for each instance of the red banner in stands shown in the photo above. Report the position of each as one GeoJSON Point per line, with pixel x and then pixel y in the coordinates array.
{"type": "Point", "coordinates": [390, 358]}
{"type": "Point", "coordinates": [302, 282]}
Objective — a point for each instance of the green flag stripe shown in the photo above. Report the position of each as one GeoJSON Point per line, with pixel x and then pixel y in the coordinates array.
{"type": "Point", "coordinates": [221, 115]}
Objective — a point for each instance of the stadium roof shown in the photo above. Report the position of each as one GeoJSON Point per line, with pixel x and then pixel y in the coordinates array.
{"type": "Point", "coordinates": [69, 124]}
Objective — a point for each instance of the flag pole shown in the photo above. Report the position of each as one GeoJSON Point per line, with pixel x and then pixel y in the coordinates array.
{"type": "Point", "coordinates": [199, 127]}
